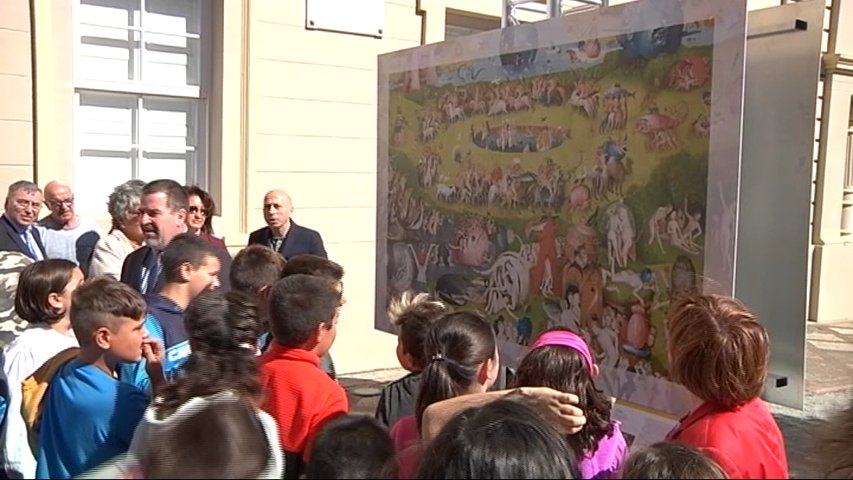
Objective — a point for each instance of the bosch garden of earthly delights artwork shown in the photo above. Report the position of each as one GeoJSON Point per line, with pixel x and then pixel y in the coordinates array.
{"type": "Point", "coordinates": [560, 185]}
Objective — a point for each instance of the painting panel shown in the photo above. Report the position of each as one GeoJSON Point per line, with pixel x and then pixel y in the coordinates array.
{"type": "Point", "coordinates": [579, 172]}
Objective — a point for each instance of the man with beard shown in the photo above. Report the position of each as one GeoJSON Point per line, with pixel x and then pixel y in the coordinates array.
{"type": "Point", "coordinates": [163, 213]}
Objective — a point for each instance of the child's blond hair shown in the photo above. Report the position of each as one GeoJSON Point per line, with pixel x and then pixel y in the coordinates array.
{"type": "Point", "coordinates": [413, 313]}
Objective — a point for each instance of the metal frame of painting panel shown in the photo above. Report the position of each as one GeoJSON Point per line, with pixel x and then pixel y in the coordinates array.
{"type": "Point", "coordinates": [776, 187]}
{"type": "Point", "coordinates": [580, 172]}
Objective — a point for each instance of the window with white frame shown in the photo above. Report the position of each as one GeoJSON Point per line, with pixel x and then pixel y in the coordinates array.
{"type": "Point", "coordinates": [847, 193]}
{"type": "Point", "coordinates": [460, 24]}
{"type": "Point", "coordinates": [140, 102]}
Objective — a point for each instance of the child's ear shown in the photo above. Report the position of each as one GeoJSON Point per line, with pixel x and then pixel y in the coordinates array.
{"type": "Point", "coordinates": [316, 335]}
{"type": "Point", "coordinates": [487, 374]}
{"type": "Point", "coordinates": [102, 338]}
{"type": "Point", "coordinates": [407, 361]}
{"type": "Point", "coordinates": [264, 292]}
{"type": "Point", "coordinates": [595, 371]}
{"type": "Point", "coordinates": [186, 270]}
{"type": "Point", "coordinates": [54, 300]}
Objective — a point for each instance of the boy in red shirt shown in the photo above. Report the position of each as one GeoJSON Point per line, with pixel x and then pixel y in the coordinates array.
{"type": "Point", "coordinates": [298, 394]}
{"type": "Point", "coordinates": [719, 351]}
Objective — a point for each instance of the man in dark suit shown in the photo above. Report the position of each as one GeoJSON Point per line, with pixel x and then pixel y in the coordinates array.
{"type": "Point", "coordinates": [163, 213]}
{"type": "Point", "coordinates": [17, 233]}
{"type": "Point", "coordinates": [289, 240]}
{"type": "Point", "coordinates": [281, 233]}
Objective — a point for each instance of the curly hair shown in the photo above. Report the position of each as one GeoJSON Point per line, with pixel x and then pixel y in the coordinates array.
{"type": "Point", "coordinates": [223, 331]}
{"type": "Point", "coordinates": [563, 369]}
{"type": "Point", "coordinates": [123, 202]}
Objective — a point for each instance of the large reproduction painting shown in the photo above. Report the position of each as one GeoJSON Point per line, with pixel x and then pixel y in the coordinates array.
{"type": "Point", "coordinates": [578, 172]}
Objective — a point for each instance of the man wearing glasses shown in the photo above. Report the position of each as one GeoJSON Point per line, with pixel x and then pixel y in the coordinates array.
{"type": "Point", "coordinates": [23, 203]}
{"type": "Point", "coordinates": [66, 234]}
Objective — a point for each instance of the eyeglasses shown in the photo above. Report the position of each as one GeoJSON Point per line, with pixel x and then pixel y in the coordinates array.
{"type": "Point", "coordinates": [195, 209]}
{"type": "Point", "coordinates": [54, 204]}
{"type": "Point", "coordinates": [22, 204]}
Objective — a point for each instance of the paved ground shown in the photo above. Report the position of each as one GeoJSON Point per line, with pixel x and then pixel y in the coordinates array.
{"type": "Point", "coordinates": [829, 387]}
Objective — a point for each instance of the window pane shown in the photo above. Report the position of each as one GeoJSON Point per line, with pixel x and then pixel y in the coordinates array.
{"type": "Point", "coordinates": [107, 53]}
{"type": "Point", "coordinates": [170, 57]}
{"type": "Point", "coordinates": [171, 60]}
{"type": "Point", "coordinates": [168, 125]}
{"type": "Point", "coordinates": [173, 16]}
{"type": "Point", "coordinates": [154, 165]}
{"type": "Point", "coordinates": [458, 24]}
{"type": "Point", "coordinates": [116, 13]}
{"type": "Point", "coordinates": [168, 139]}
{"type": "Point", "coordinates": [106, 122]}
{"type": "Point", "coordinates": [96, 173]}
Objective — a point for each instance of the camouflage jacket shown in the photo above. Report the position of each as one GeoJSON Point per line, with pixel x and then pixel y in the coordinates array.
{"type": "Point", "coordinates": [11, 264]}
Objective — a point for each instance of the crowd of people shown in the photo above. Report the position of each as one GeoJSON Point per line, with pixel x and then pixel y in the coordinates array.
{"type": "Point", "coordinates": [151, 353]}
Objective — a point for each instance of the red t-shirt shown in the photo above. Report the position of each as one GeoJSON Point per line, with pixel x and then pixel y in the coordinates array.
{"type": "Point", "coordinates": [299, 395]}
{"type": "Point", "coordinates": [745, 441]}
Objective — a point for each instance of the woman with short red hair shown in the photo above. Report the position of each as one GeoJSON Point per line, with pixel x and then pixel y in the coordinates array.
{"type": "Point", "coordinates": [720, 352]}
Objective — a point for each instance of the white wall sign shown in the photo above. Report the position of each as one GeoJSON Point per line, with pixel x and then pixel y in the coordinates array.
{"type": "Point", "coordinates": [362, 17]}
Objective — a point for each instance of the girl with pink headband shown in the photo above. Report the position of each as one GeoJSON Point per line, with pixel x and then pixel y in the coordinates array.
{"type": "Point", "coordinates": [561, 359]}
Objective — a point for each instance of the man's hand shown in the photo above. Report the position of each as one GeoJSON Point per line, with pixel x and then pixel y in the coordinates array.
{"type": "Point", "coordinates": [558, 408]}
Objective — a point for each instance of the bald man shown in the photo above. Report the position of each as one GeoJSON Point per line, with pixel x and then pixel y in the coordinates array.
{"type": "Point", "coordinates": [282, 234]}
{"type": "Point", "coordinates": [66, 234]}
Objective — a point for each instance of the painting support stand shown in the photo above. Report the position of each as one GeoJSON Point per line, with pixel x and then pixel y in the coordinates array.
{"type": "Point", "coordinates": [553, 8]}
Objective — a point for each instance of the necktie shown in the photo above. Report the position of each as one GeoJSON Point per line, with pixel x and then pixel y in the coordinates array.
{"type": "Point", "coordinates": [151, 271]}
{"type": "Point", "coordinates": [32, 245]}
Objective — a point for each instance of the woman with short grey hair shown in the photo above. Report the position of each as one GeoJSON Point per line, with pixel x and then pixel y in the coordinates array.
{"type": "Point", "coordinates": [125, 234]}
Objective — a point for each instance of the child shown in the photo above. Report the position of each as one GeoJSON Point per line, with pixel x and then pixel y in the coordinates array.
{"type": "Point", "coordinates": [562, 360]}
{"type": "Point", "coordinates": [298, 394]}
{"type": "Point", "coordinates": [412, 314]}
{"type": "Point", "coordinates": [222, 367]}
{"type": "Point", "coordinates": [88, 416]}
{"type": "Point", "coordinates": [220, 438]}
{"type": "Point", "coordinates": [671, 460]}
{"type": "Point", "coordinates": [463, 359]}
{"type": "Point", "coordinates": [307, 264]}
{"type": "Point", "coordinates": [502, 439]}
{"type": "Point", "coordinates": [43, 299]}
{"type": "Point", "coordinates": [352, 446]}
{"type": "Point", "coordinates": [254, 271]}
{"type": "Point", "coordinates": [190, 266]}
{"type": "Point", "coordinates": [719, 351]}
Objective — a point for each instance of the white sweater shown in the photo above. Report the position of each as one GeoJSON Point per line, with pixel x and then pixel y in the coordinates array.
{"type": "Point", "coordinates": [150, 422]}
{"type": "Point", "coordinates": [20, 359]}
